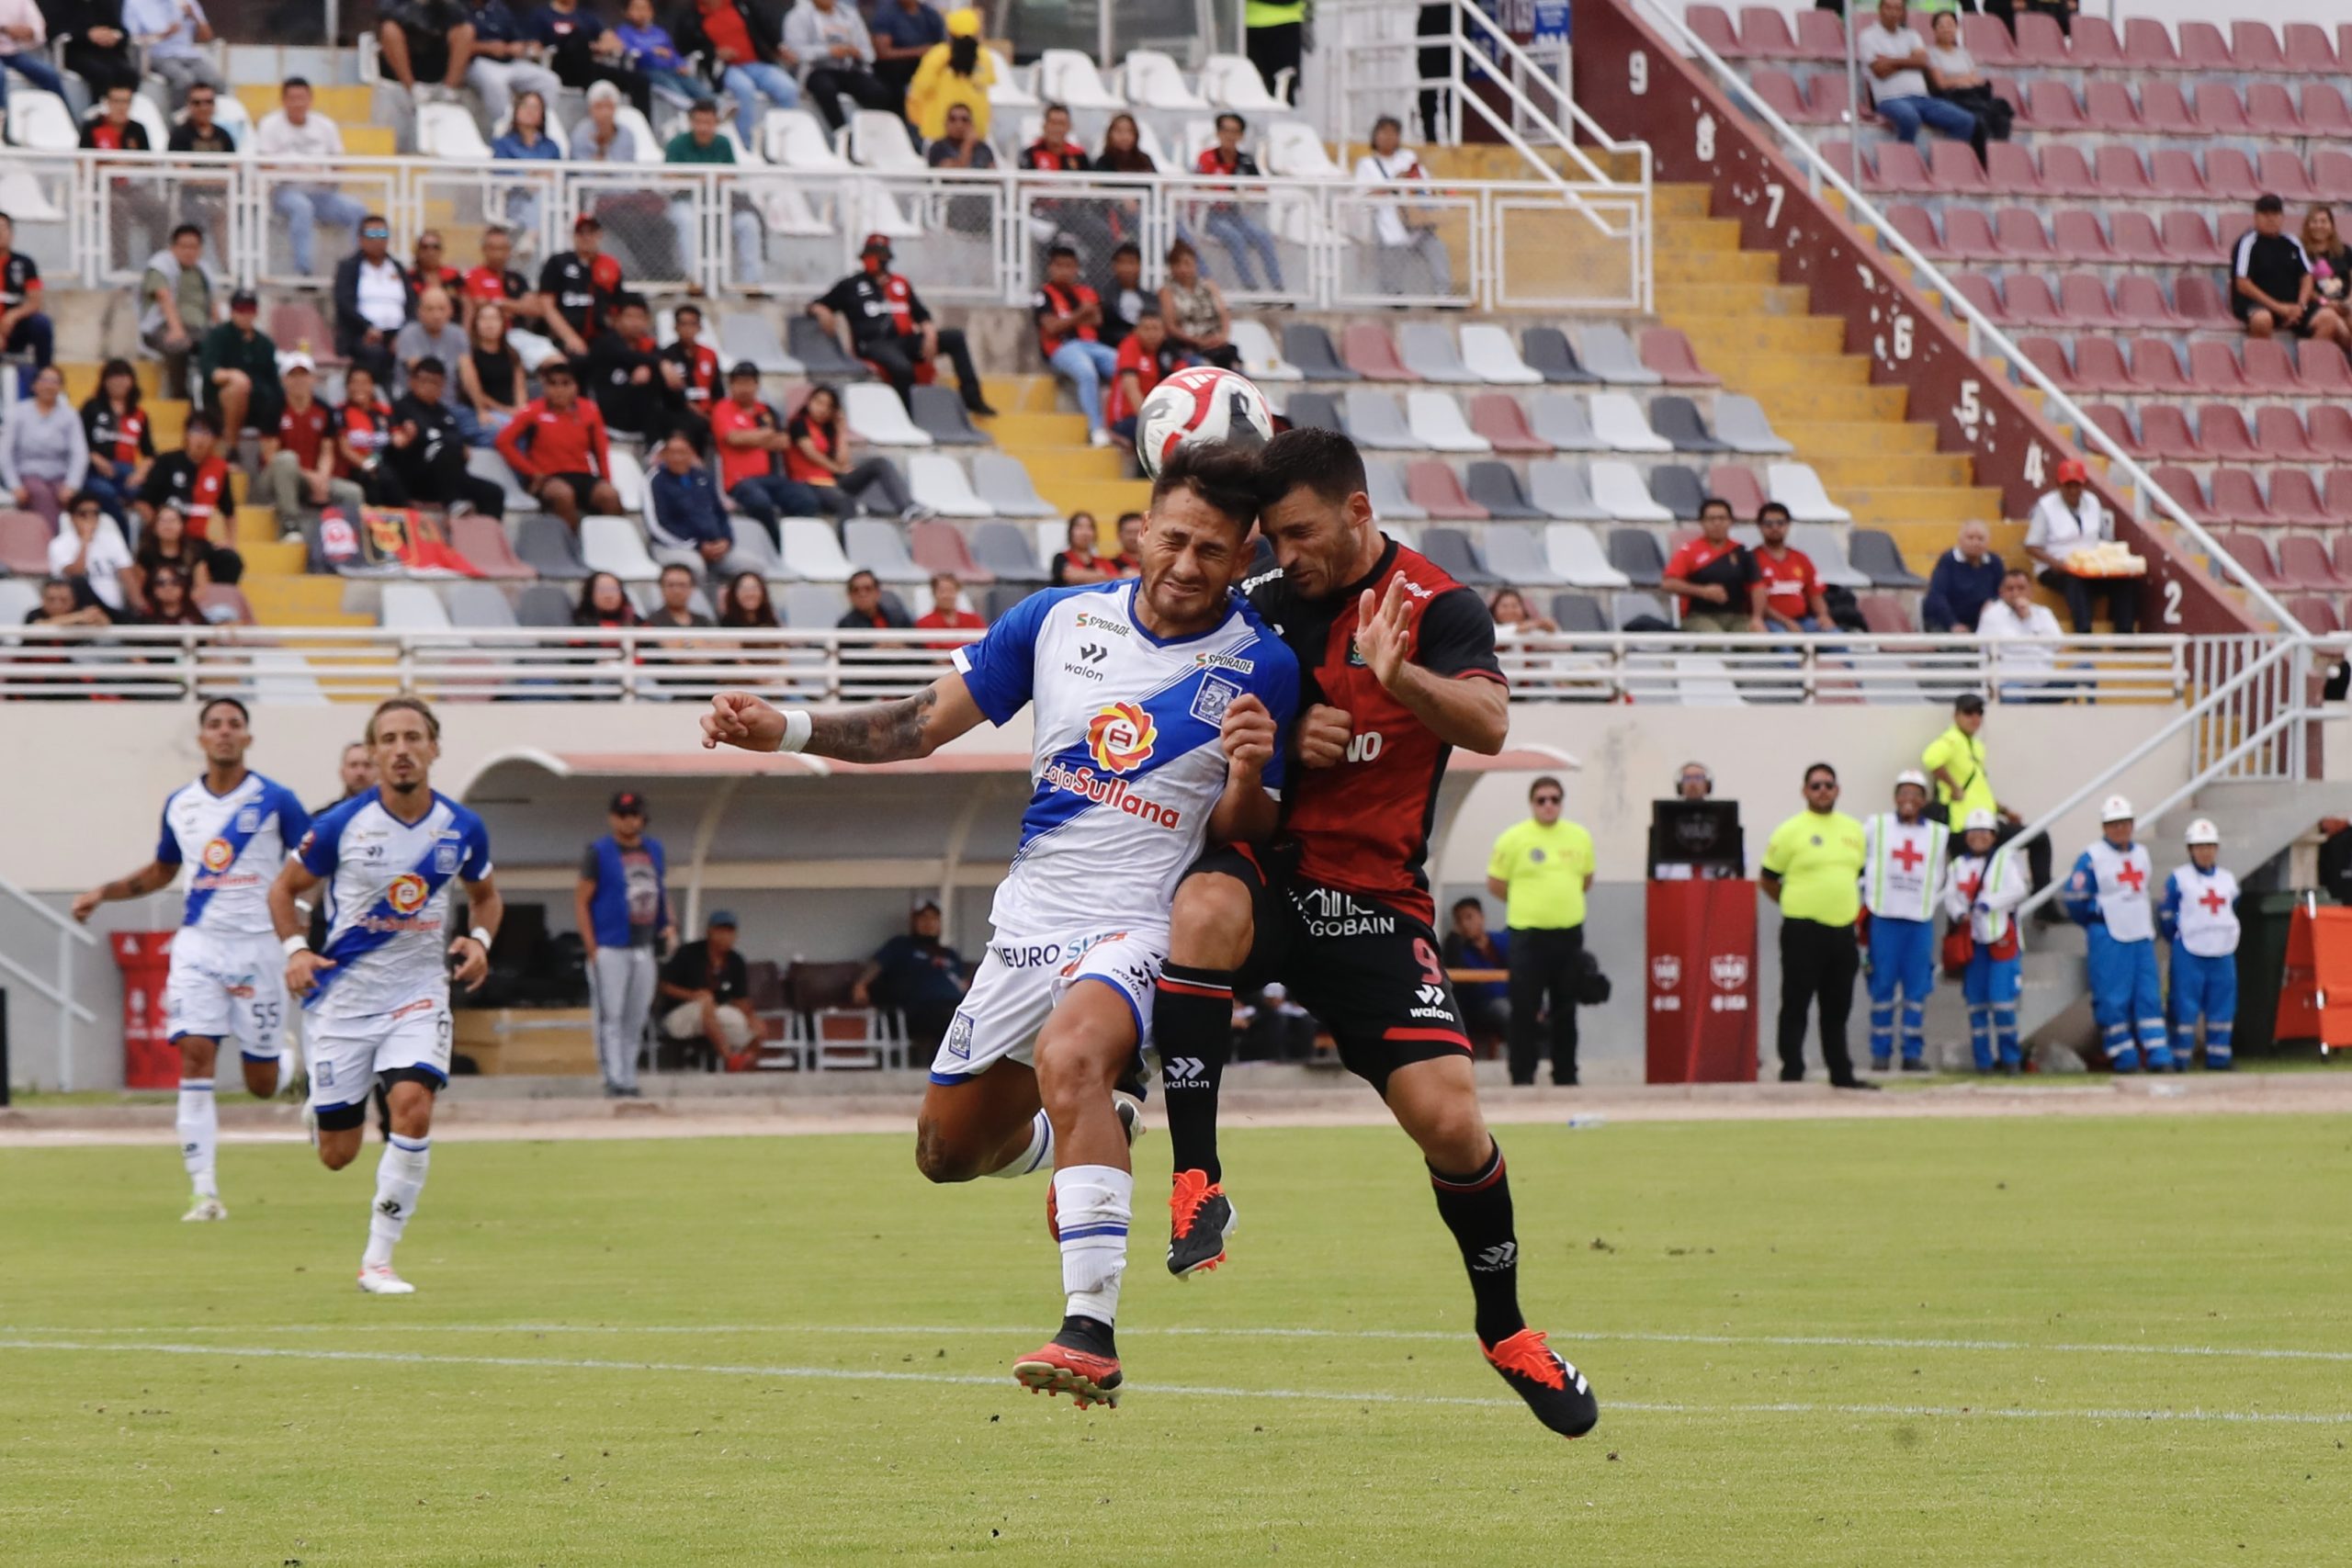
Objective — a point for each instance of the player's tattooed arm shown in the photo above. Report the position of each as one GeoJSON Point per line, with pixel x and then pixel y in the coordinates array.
{"type": "Point", "coordinates": [152, 877]}
{"type": "Point", "coordinates": [876, 732]}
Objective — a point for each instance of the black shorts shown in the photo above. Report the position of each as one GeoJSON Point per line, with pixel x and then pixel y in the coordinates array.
{"type": "Point", "coordinates": [582, 486]}
{"type": "Point", "coordinates": [1369, 970]}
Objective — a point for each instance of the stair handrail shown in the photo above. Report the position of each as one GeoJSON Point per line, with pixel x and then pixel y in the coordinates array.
{"type": "Point", "coordinates": [1471, 28]}
{"type": "Point", "coordinates": [1863, 210]}
{"type": "Point", "coordinates": [59, 993]}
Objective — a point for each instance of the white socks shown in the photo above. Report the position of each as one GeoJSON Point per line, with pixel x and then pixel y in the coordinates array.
{"type": "Point", "coordinates": [399, 1179]}
{"type": "Point", "coordinates": [1094, 1204]}
{"type": "Point", "coordinates": [1036, 1156]}
{"type": "Point", "coordinates": [199, 1128]}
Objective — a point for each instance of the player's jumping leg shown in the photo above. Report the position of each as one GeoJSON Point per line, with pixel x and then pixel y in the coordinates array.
{"type": "Point", "coordinates": [400, 1174]}
{"type": "Point", "coordinates": [1213, 924]}
{"type": "Point", "coordinates": [1436, 1103]}
{"type": "Point", "coordinates": [988, 1123]}
{"type": "Point", "coordinates": [1080, 1053]}
{"type": "Point", "coordinates": [199, 1129]}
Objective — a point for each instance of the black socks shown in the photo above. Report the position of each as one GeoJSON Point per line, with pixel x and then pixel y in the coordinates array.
{"type": "Point", "coordinates": [1192, 1024]}
{"type": "Point", "coordinates": [1476, 1208]}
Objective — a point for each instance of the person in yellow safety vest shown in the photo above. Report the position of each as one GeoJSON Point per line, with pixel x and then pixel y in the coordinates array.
{"type": "Point", "coordinates": [1275, 35]}
{"type": "Point", "coordinates": [1903, 854]}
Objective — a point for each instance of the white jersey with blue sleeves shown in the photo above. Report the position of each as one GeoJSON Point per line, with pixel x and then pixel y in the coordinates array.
{"type": "Point", "coordinates": [1125, 767]}
{"type": "Point", "coordinates": [387, 901]}
{"type": "Point", "coordinates": [234, 845]}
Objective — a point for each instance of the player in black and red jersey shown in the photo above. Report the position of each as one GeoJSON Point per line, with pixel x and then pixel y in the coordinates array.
{"type": "Point", "coordinates": [1398, 661]}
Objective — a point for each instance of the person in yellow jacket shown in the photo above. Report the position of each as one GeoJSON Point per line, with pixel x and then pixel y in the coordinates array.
{"type": "Point", "coordinates": [956, 71]}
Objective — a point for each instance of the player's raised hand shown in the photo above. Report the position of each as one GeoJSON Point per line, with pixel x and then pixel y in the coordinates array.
{"type": "Point", "coordinates": [1247, 735]}
{"type": "Point", "coordinates": [1384, 629]}
{"type": "Point", "coordinates": [738, 719]}
{"type": "Point", "coordinates": [1324, 732]}
{"type": "Point", "coordinates": [303, 971]}
{"type": "Point", "coordinates": [473, 962]}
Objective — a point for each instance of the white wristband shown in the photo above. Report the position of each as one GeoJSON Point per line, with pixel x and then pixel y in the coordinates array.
{"type": "Point", "coordinates": [798, 726]}
{"type": "Point", "coordinates": [482, 935]}
{"type": "Point", "coordinates": [296, 943]}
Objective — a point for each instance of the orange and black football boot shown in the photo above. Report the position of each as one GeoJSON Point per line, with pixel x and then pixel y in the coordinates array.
{"type": "Point", "coordinates": [1200, 1216]}
{"type": "Point", "coordinates": [1553, 1388]}
{"type": "Point", "coordinates": [1080, 1362]}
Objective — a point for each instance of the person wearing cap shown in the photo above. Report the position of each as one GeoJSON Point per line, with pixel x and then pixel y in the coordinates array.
{"type": "Point", "coordinates": [890, 325]}
{"type": "Point", "coordinates": [2199, 918]}
{"type": "Point", "coordinates": [373, 299]}
{"type": "Point", "coordinates": [236, 370]}
{"type": "Point", "coordinates": [622, 906]}
{"type": "Point", "coordinates": [1980, 887]}
{"type": "Point", "coordinates": [1812, 869]}
{"type": "Point", "coordinates": [2064, 523]}
{"type": "Point", "coordinates": [706, 990]}
{"type": "Point", "coordinates": [2108, 894]}
{"type": "Point", "coordinates": [577, 288]}
{"type": "Point", "coordinates": [2271, 286]}
{"type": "Point", "coordinates": [1902, 856]}
{"type": "Point", "coordinates": [1955, 762]}
{"type": "Point", "coordinates": [950, 75]}
{"type": "Point", "coordinates": [919, 976]}
{"type": "Point", "coordinates": [1542, 869]}
{"type": "Point", "coordinates": [425, 446]}
{"type": "Point", "coordinates": [297, 459]}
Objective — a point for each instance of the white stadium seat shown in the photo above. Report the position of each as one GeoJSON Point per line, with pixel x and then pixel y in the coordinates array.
{"type": "Point", "coordinates": [879, 141]}
{"type": "Point", "coordinates": [1231, 82]}
{"type": "Point", "coordinates": [1798, 488]}
{"type": "Point", "coordinates": [1066, 77]}
{"type": "Point", "coordinates": [628, 479]}
{"type": "Point", "coordinates": [614, 544]}
{"type": "Point", "coordinates": [1576, 554]}
{"type": "Point", "coordinates": [1008, 92]}
{"type": "Point", "coordinates": [813, 551]}
{"type": "Point", "coordinates": [1261, 360]}
{"type": "Point", "coordinates": [1489, 351]}
{"type": "Point", "coordinates": [1436, 418]}
{"type": "Point", "coordinates": [41, 120]}
{"type": "Point", "coordinates": [649, 149]}
{"type": "Point", "coordinates": [447, 130]}
{"type": "Point", "coordinates": [938, 482]}
{"type": "Point", "coordinates": [1619, 489]}
{"type": "Point", "coordinates": [796, 139]}
{"type": "Point", "coordinates": [1624, 425]}
{"type": "Point", "coordinates": [1153, 82]}
{"type": "Point", "coordinates": [876, 416]}
{"type": "Point", "coordinates": [1294, 152]}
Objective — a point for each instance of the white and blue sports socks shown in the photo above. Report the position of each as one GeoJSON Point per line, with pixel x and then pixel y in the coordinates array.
{"type": "Point", "coordinates": [199, 1128]}
{"type": "Point", "coordinates": [400, 1176]}
{"type": "Point", "coordinates": [1038, 1155]}
{"type": "Point", "coordinates": [1094, 1204]}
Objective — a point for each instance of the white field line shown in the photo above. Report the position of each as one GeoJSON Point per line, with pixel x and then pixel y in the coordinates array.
{"type": "Point", "coordinates": [1580, 1336]}
{"type": "Point", "coordinates": [1190, 1391]}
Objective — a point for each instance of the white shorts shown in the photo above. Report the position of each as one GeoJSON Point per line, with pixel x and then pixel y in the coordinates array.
{"type": "Point", "coordinates": [227, 987]}
{"type": "Point", "coordinates": [348, 1053]}
{"type": "Point", "coordinates": [1023, 978]}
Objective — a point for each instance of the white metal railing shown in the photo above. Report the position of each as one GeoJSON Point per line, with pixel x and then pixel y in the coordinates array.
{"type": "Point", "coordinates": [1985, 336]}
{"type": "Point", "coordinates": [57, 988]}
{"type": "Point", "coordinates": [304, 664]}
{"type": "Point", "coordinates": [965, 236]}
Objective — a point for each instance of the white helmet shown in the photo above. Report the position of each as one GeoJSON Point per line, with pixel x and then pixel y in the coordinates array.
{"type": "Point", "coordinates": [1981, 820]}
{"type": "Point", "coordinates": [2117, 809]}
{"type": "Point", "coordinates": [2202, 831]}
{"type": "Point", "coordinates": [1911, 776]}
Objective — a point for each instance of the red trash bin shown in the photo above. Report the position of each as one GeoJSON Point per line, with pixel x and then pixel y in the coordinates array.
{"type": "Point", "coordinates": [149, 1059]}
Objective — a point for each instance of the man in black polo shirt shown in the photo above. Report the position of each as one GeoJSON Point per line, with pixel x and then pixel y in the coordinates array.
{"type": "Point", "coordinates": [889, 325]}
{"type": "Point", "coordinates": [576, 288]}
{"type": "Point", "coordinates": [2270, 280]}
{"type": "Point", "coordinates": [22, 327]}
{"type": "Point", "coordinates": [639, 391]}
{"type": "Point", "coordinates": [427, 450]}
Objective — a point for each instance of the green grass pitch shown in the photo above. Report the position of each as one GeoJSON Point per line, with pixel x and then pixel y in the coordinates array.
{"type": "Point", "coordinates": [2031, 1341]}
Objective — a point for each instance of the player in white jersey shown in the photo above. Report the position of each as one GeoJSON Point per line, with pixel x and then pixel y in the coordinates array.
{"type": "Point", "coordinates": [1159, 706]}
{"type": "Point", "coordinates": [377, 994]}
{"type": "Point", "coordinates": [233, 828]}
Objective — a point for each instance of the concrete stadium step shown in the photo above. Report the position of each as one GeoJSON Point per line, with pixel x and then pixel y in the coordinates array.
{"type": "Point", "coordinates": [1684, 236]}
{"type": "Point", "coordinates": [82, 378]}
{"type": "Point", "coordinates": [1921, 543]}
{"type": "Point", "coordinates": [1840, 473]}
{"type": "Point", "coordinates": [1029, 393]}
{"type": "Point", "coordinates": [1681, 200]}
{"type": "Point", "coordinates": [1748, 369]}
{"type": "Point", "coordinates": [1715, 266]}
{"type": "Point", "coordinates": [257, 525]}
{"type": "Point", "coordinates": [1714, 297]}
{"type": "Point", "coordinates": [292, 600]}
{"type": "Point", "coordinates": [1732, 332]}
{"type": "Point", "coordinates": [1878, 506]}
{"type": "Point", "coordinates": [351, 106]}
{"type": "Point", "coordinates": [1803, 404]}
{"type": "Point", "coordinates": [275, 557]}
{"type": "Point", "coordinates": [167, 421]}
{"type": "Point", "coordinates": [1858, 439]}
{"type": "Point", "coordinates": [1036, 429]}
{"type": "Point", "coordinates": [1104, 498]}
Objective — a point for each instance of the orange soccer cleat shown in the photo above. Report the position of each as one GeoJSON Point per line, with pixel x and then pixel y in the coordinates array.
{"type": "Point", "coordinates": [1200, 1216]}
{"type": "Point", "coordinates": [1055, 1368]}
{"type": "Point", "coordinates": [1553, 1388]}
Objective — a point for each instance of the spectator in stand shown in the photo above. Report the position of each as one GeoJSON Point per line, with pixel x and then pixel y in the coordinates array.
{"type": "Point", "coordinates": [2330, 259]}
{"type": "Point", "coordinates": [750, 443]}
{"type": "Point", "coordinates": [1413, 258]}
{"type": "Point", "coordinates": [1953, 77]}
{"type": "Point", "coordinates": [170, 35]}
{"type": "Point", "coordinates": [44, 453]}
{"type": "Point", "coordinates": [904, 33]}
{"type": "Point", "coordinates": [1715, 576]}
{"type": "Point", "coordinates": [504, 62]}
{"type": "Point", "coordinates": [1123, 151]}
{"type": "Point", "coordinates": [176, 303]}
{"type": "Point", "coordinates": [61, 606]}
{"type": "Point", "coordinates": [373, 300]}
{"type": "Point", "coordinates": [201, 131]}
{"type": "Point", "coordinates": [1112, 223]}
{"type": "Point", "coordinates": [576, 288]}
{"type": "Point", "coordinates": [1895, 59]}
{"type": "Point", "coordinates": [947, 611]}
{"type": "Point", "coordinates": [136, 203]}
{"type": "Point", "coordinates": [602, 138]}
{"type": "Point", "coordinates": [166, 544]}
{"type": "Point", "coordinates": [829, 41]}
{"type": "Point", "coordinates": [1079, 566]}
{"type": "Point", "coordinates": [196, 480]}
{"type": "Point", "coordinates": [2025, 636]}
{"type": "Point", "coordinates": [736, 40]}
{"type": "Point", "coordinates": [687, 504]}
{"type": "Point", "coordinates": [890, 325]}
{"type": "Point", "coordinates": [1793, 600]}
{"type": "Point", "coordinates": [2271, 284]}
{"type": "Point", "coordinates": [1229, 224]}
{"type": "Point", "coordinates": [363, 429]}
{"type": "Point", "coordinates": [2064, 523]}
{"type": "Point", "coordinates": [295, 135]}
{"type": "Point", "coordinates": [1055, 151]}
{"type": "Point", "coordinates": [603, 602]}
{"type": "Point", "coordinates": [112, 130]}
{"type": "Point", "coordinates": [816, 454]}
{"type": "Point", "coordinates": [1070, 319]}
{"type": "Point", "coordinates": [1193, 308]}
{"type": "Point", "coordinates": [869, 608]}
{"type": "Point", "coordinates": [429, 270]}
{"type": "Point", "coordinates": [1274, 33]}
{"type": "Point", "coordinates": [557, 448]}
{"type": "Point", "coordinates": [24, 327]}
{"type": "Point", "coordinates": [1129, 560]}
{"type": "Point", "coordinates": [919, 976]}
{"type": "Point", "coordinates": [170, 601]}
{"type": "Point", "coordinates": [297, 470]}
{"type": "Point", "coordinates": [704, 987]}
{"type": "Point", "coordinates": [701, 143]}
{"type": "Point", "coordinates": [120, 437]}
{"type": "Point", "coordinates": [494, 282]}
{"type": "Point", "coordinates": [697, 363]}
{"type": "Point", "coordinates": [23, 31]}
{"type": "Point", "coordinates": [491, 384]}
{"type": "Point", "coordinates": [677, 612]}
{"type": "Point", "coordinates": [1142, 360]}
{"type": "Point", "coordinates": [98, 47]}
{"type": "Point", "coordinates": [526, 139]}
{"type": "Point", "coordinates": [584, 51]}
{"type": "Point", "coordinates": [646, 47]}
{"type": "Point", "coordinates": [426, 47]}
{"type": "Point", "coordinates": [1966, 578]}
{"type": "Point", "coordinates": [639, 393]}
{"type": "Point", "coordinates": [236, 370]}
{"type": "Point", "coordinates": [960, 147]}
{"type": "Point", "coordinates": [1485, 1004]}
{"type": "Point", "coordinates": [745, 605]}
{"type": "Point", "coordinates": [1513, 620]}
{"type": "Point", "coordinates": [89, 553]}
{"type": "Point", "coordinates": [956, 73]}
{"type": "Point", "coordinates": [427, 448]}
{"type": "Point", "coordinates": [1126, 301]}
{"type": "Point", "coordinates": [620, 905]}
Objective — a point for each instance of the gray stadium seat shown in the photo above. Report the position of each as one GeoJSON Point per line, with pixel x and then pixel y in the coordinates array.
{"type": "Point", "coordinates": [484, 463]}
{"type": "Point", "coordinates": [1579, 613]}
{"type": "Point", "coordinates": [1004, 482]}
{"type": "Point", "coordinates": [1385, 487]}
{"type": "Point", "coordinates": [1743, 425]}
{"type": "Point", "coordinates": [1515, 554]}
{"type": "Point", "coordinates": [1003, 596]}
{"type": "Point", "coordinates": [747, 334]}
{"type": "Point", "coordinates": [1308, 346]}
{"type": "Point", "coordinates": [1429, 351]}
{"type": "Point", "coordinates": [1493, 486]}
{"type": "Point", "coordinates": [1610, 354]}
{"type": "Point", "coordinates": [939, 412]}
{"type": "Point", "coordinates": [1634, 552]}
{"type": "Point", "coordinates": [1875, 556]}
{"type": "Point", "coordinates": [755, 549]}
{"type": "Point", "coordinates": [1374, 420]}
{"type": "Point", "coordinates": [478, 605]}
{"type": "Point", "coordinates": [1625, 608]}
{"type": "Point", "coordinates": [1679, 489]}
{"type": "Point", "coordinates": [547, 547]}
{"type": "Point", "coordinates": [1548, 352]}
{"type": "Point", "coordinates": [1825, 546]}
{"type": "Point", "coordinates": [820, 353]}
{"type": "Point", "coordinates": [1005, 550]}
{"type": "Point", "coordinates": [812, 605]}
{"type": "Point", "coordinates": [1315, 409]}
{"type": "Point", "coordinates": [543, 604]}
{"type": "Point", "coordinates": [1678, 420]}
{"type": "Point", "coordinates": [1561, 419]}
{"type": "Point", "coordinates": [881, 548]}
{"type": "Point", "coordinates": [1558, 489]}
{"type": "Point", "coordinates": [1452, 550]}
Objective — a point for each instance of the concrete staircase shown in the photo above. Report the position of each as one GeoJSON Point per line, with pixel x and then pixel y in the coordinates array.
{"type": "Point", "coordinates": [1032, 426]}
{"type": "Point", "coordinates": [351, 107]}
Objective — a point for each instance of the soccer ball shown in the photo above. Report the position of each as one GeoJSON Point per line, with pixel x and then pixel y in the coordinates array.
{"type": "Point", "coordinates": [1201, 404]}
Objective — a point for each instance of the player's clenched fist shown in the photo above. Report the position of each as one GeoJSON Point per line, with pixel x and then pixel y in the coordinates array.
{"type": "Point", "coordinates": [1247, 736]}
{"type": "Point", "coordinates": [1324, 732]}
{"type": "Point", "coordinates": [738, 719]}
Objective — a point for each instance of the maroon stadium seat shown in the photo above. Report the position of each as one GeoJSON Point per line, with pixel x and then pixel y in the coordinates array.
{"type": "Point", "coordinates": [1736, 483]}
{"type": "Point", "coordinates": [2083, 296]}
{"type": "Point", "coordinates": [2324, 112]}
{"type": "Point", "coordinates": [2269, 111]}
{"type": "Point", "coordinates": [2010, 169]}
{"type": "Point", "coordinates": [1780, 92]}
{"type": "Point", "coordinates": [297, 327]}
{"type": "Point", "coordinates": [2339, 510]}
{"type": "Point", "coordinates": [2132, 231]}
{"type": "Point", "coordinates": [2213, 369]}
{"type": "Point", "coordinates": [2147, 46]}
{"type": "Point", "coordinates": [1840, 154]}
{"type": "Point", "coordinates": [2164, 108]}
{"type": "Point", "coordinates": [1900, 168]}
{"type": "Point", "coordinates": [2050, 106]}
{"type": "Point", "coordinates": [2121, 176]}
{"type": "Point", "coordinates": [2267, 368]}
{"type": "Point", "coordinates": [2237, 499]}
{"type": "Point", "coordinates": [2222, 432]}
{"type": "Point", "coordinates": [2046, 355]}
{"type": "Point", "coordinates": [1821, 34]}
{"type": "Point", "coordinates": [2202, 48]}
{"type": "Point", "coordinates": [1912, 221]}
{"type": "Point", "coordinates": [2256, 48]}
{"type": "Point", "coordinates": [2164, 430]}
{"type": "Point", "coordinates": [2030, 303]}
{"type": "Point", "coordinates": [2302, 560]}
{"type": "Point", "coordinates": [1667, 352]}
{"type": "Point", "coordinates": [2308, 50]}
{"type": "Point", "coordinates": [1369, 351]}
{"type": "Point", "coordinates": [1764, 33]}
{"type": "Point", "coordinates": [2093, 45]}
{"type": "Point", "coordinates": [2098, 365]}
{"type": "Point", "coordinates": [939, 546]}
{"type": "Point", "coordinates": [2117, 425]}
{"type": "Point", "coordinates": [2322, 369]}
{"type": "Point", "coordinates": [1956, 169]}
{"type": "Point", "coordinates": [1968, 235]}
{"type": "Point", "coordinates": [2278, 431]}
{"type": "Point", "coordinates": [2080, 238]}
{"type": "Point", "coordinates": [1826, 100]}
{"type": "Point", "coordinates": [2182, 486]}
{"type": "Point", "coordinates": [1712, 24]}
{"type": "Point", "coordinates": [2252, 552]}
{"type": "Point", "coordinates": [2021, 236]}
{"type": "Point", "coordinates": [2190, 239]}
{"type": "Point", "coordinates": [481, 540]}
{"type": "Point", "coordinates": [2140, 300]}
{"type": "Point", "coordinates": [2317, 615]}
{"type": "Point", "coordinates": [2282, 174]}
{"type": "Point", "coordinates": [2332, 170]}
{"type": "Point", "coordinates": [2198, 298]}
{"type": "Point", "coordinates": [2040, 43]}
{"type": "Point", "coordinates": [2294, 499]}
{"type": "Point", "coordinates": [2231, 174]}
{"type": "Point", "coordinates": [2155, 368]}
{"type": "Point", "coordinates": [1979, 292]}
{"type": "Point", "coordinates": [1987, 40]}
{"type": "Point", "coordinates": [24, 543]}
{"type": "Point", "coordinates": [2175, 173]}
{"type": "Point", "coordinates": [2330, 428]}
{"type": "Point", "coordinates": [1499, 418]}
{"type": "Point", "coordinates": [2108, 107]}
{"type": "Point", "coordinates": [1436, 489]}
{"type": "Point", "coordinates": [2067, 171]}
{"type": "Point", "coordinates": [1886, 615]}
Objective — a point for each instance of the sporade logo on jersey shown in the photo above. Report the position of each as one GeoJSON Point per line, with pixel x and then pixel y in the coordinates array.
{"type": "Point", "coordinates": [1120, 738]}
{"type": "Point", "coordinates": [1087, 620]}
{"type": "Point", "coordinates": [1225, 662]}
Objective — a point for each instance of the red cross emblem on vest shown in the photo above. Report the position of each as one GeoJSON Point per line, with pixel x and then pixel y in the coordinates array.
{"type": "Point", "coordinates": [1906, 855]}
{"type": "Point", "coordinates": [2214, 901]}
{"type": "Point", "coordinates": [2131, 876]}
{"type": "Point", "coordinates": [1969, 888]}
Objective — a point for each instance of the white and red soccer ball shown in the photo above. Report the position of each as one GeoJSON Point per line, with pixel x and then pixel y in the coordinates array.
{"type": "Point", "coordinates": [1203, 405]}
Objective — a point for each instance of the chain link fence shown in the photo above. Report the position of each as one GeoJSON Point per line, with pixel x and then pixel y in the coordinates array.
{"type": "Point", "coordinates": [1416, 248]}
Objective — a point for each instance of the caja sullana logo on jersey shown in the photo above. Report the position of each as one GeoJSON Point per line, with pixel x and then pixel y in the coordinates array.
{"type": "Point", "coordinates": [1120, 738]}
{"type": "Point", "coordinates": [406, 895]}
{"type": "Point", "coordinates": [220, 855]}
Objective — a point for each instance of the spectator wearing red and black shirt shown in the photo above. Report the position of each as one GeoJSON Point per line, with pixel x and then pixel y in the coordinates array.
{"type": "Point", "coordinates": [749, 440]}
{"type": "Point", "coordinates": [638, 390]}
{"type": "Point", "coordinates": [24, 327]}
{"type": "Point", "coordinates": [495, 281]}
{"type": "Point", "coordinates": [576, 288]}
{"type": "Point", "coordinates": [363, 430]}
{"type": "Point", "coordinates": [1144, 358]}
{"type": "Point", "coordinates": [121, 439]}
{"type": "Point", "coordinates": [298, 460]}
{"type": "Point", "coordinates": [195, 479]}
{"type": "Point", "coordinates": [1792, 597]}
{"type": "Point", "coordinates": [1055, 152]}
{"type": "Point", "coordinates": [1715, 576]}
{"type": "Point", "coordinates": [430, 271]}
{"type": "Point", "coordinates": [889, 327]}
{"type": "Point", "coordinates": [557, 446]}
{"type": "Point", "coordinates": [698, 361]}
{"type": "Point", "coordinates": [1069, 316]}
{"type": "Point", "coordinates": [112, 130]}
{"type": "Point", "coordinates": [1228, 222]}
{"type": "Point", "coordinates": [869, 608]}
